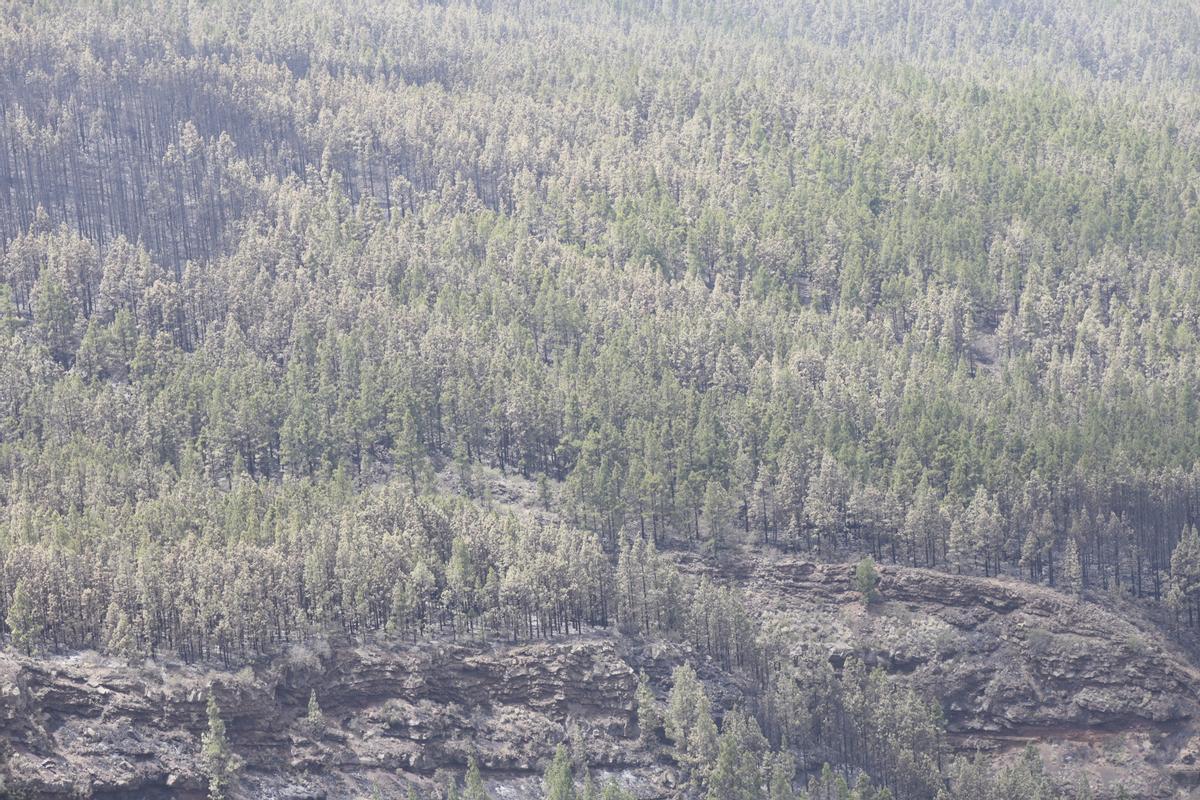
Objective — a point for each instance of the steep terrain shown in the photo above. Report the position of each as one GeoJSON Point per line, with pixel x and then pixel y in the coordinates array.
{"type": "Point", "coordinates": [1097, 691]}
{"type": "Point", "coordinates": [1011, 663]}
{"type": "Point", "coordinates": [83, 726]}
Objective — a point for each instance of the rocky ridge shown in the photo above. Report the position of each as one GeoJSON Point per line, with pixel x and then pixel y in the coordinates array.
{"type": "Point", "coordinates": [1096, 691]}
{"type": "Point", "coordinates": [83, 726]}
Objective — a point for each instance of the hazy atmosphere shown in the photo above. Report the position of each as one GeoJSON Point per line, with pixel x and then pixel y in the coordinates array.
{"type": "Point", "coordinates": [600, 400]}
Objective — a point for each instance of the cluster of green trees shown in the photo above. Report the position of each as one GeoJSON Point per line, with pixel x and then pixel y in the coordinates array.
{"type": "Point", "coordinates": [309, 561]}
{"type": "Point", "coordinates": [715, 308]}
{"type": "Point", "coordinates": [910, 280]}
{"type": "Point", "coordinates": [738, 762]}
{"type": "Point", "coordinates": [890, 744]}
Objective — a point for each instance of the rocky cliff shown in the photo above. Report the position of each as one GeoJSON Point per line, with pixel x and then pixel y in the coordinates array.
{"type": "Point", "coordinates": [1011, 663]}
{"type": "Point", "coordinates": [87, 727]}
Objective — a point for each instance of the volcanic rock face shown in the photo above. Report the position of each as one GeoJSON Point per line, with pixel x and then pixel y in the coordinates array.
{"type": "Point", "coordinates": [81, 727]}
{"type": "Point", "coordinates": [1002, 656]}
{"type": "Point", "coordinates": [1011, 663]}
{"type": "Point", "coordinates": [1096, 691]}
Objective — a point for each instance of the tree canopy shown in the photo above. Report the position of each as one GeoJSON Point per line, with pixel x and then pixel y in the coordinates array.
{"type": "Point", "coordinates": [910, 283]}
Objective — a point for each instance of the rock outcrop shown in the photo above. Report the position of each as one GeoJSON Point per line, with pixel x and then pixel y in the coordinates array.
{"type": "Point", "coordinates": [83, 726]}
{"type": "Point", "coordinates": [1095, 690]}
{"type": "Point", "coordinates": [1011, 663]}
{"type": "Point", "coordinates": [1003, 656]}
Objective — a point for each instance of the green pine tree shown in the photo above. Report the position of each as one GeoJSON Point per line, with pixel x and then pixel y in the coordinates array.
{"type": "Point", "coordinates": [314, 719]}
{"type": "Point", "coordinates": [1073, 568]}
{"type": "Point", "coordinates": [613, 791]}
{"type": "Point", "coordinates": [866, 580]}
{"type": "Point", "coordinates": [649, 718]}
{"type": "Point", "coordinates": [474, 788]}
{"type": "Point", "coordinates": [24, 625]}
{"type": "Point", "coordinates": [779, 780]}
{"type": "Point", "coordinates": [558, 782]}
{"type": "Point", "coordinates": [118, 638]}
{"type": "Point", "coordinates": [217, 759]}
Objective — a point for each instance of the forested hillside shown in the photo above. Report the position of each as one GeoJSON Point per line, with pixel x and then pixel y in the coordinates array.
{"type": "Point", "coordinates": [284, 289]}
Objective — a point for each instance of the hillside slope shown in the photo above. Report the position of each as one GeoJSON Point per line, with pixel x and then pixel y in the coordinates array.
{"type": "Point", "coordinates": [1010, 663]}
{"type": "Point", "coordinates": [1097, 691]}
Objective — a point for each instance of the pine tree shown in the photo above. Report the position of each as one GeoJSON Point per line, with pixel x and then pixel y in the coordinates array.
{"type": "Point", "coordinates": [703, 743]}
{"type": "Point", "coordinates": [1072, 568]}
{"type": "Point", "coordinates": [1039, 543]}
{"type": "Point", "coordinates": [23, 620]}
{"type": "Point", "coordinates": [985, 534]}
{"type": "Point", "coordinates": [10, 320]}
{"type": "Point", "coordinates": [866, 580]}
{"type": "Point", "coordinates": [828, 785]}
{"type": "Point", "coordinates": [558, 782]}
{"type": "Point", "coordinates": [589, 791]}
{"type": "Point", "coordinates": [1174, 599]}
{"type": "Point", "coordinates": [473, 788]}
{"type": "Point", "coordinates": [724, 780]}
{"type": "Point", "coordinates": [737, 771]}
{"type": "Point", "coordinates": [314, 719]}
{"type": "Point", "coordinates": [613, 791]}
{"type": "Point", "coordinates": [217, 759]}
{"type": "Point", "coordinates": [464, 467]}
{"type": "Point", "coordinates": [825, 502]}
{"type": "Point", "coordinates": [649, 719]}
{"type": "Point", "coordinates": [461, 583]}
{"type": "Point", "coordinates": [422, 584]}
{"type": "Point", "coordinates": [964, 548]}
{"type": "Point", "coordinates": [408, 454]}
{"type": "Point", "coordinates": [716, 516]}
{"type": "Point", "coordinates": [1185, 568]}
{"type": "Point", "coordinates": [118, 633]}
{"type": "Point", "coordinates": [404, 605]}
{"type": "Point", "coordinates": [685, 702]}
{"type": "Point", "coordinates": [782, 773]}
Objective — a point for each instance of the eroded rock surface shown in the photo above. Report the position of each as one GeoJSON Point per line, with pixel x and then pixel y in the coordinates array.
{"type": "Point", "coordinates": [85, 726]}
{"type": "Point", "coordinates": [1096, 690]}
{"type": "Point", "coordinates": [1012, 663]}
{"type": "Point", "coordinates": [1002, 655]}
